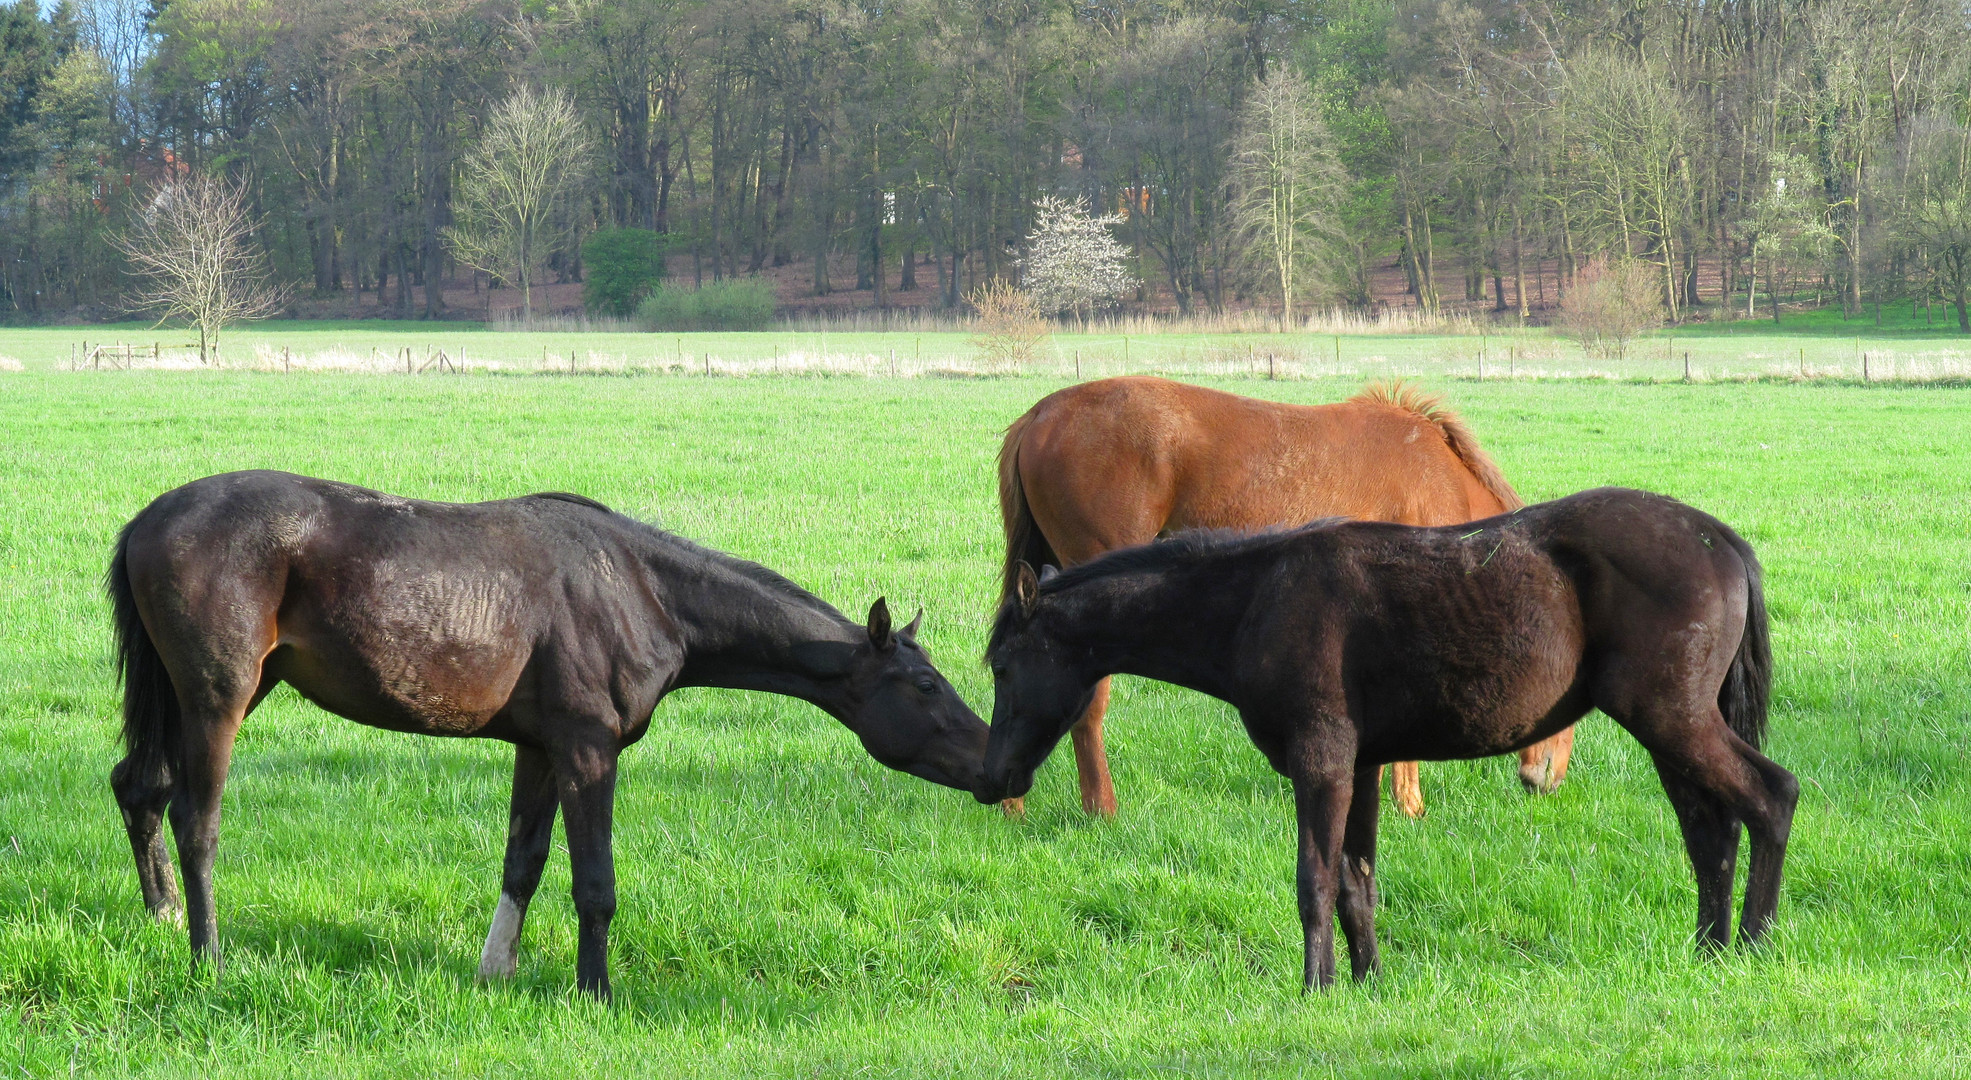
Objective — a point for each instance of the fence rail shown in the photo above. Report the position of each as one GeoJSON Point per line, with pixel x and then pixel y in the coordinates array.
{"type": "Point", "coordinates": [1074, 356]}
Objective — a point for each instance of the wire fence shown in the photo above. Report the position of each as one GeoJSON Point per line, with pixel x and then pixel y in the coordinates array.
{"type": "Point", "coordinates": [1061, 357]}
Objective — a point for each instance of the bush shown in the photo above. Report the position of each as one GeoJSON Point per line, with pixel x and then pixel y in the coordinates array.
{"type": "Point", "coordinates": [1011, 326]}
{"type": "Point", "coordinates": [1610, 302]}
{"type": "Point", "coordinates": [622, 267]}
{"type": "Point", "coordinates": [733, 304]}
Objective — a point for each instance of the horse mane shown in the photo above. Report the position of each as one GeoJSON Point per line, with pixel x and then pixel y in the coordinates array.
{"type": "Point", "coordinates": [1178, 550]}
{"type": "Point", "coordinates": [570, 497]}
{"type": "Point", "coordinates": [1404, 397]}
{"type": "Point", "coordinates": [751, 571]}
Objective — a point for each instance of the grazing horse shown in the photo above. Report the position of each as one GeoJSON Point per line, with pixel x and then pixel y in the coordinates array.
{"type": "Point", "coordinates": [1120, 462]}
{"type": "Point", "coordinates": [1348, 645]}
{"type": "Point", "coordinates": [548, 621]}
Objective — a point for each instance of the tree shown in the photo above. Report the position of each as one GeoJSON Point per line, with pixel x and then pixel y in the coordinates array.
{"type": "Point", "coordinates": [515, 186]}
{"type": "Point", "coordinates": [194, 242]}
{"type": "Point", "coordinates": [1788, 236]}
{"type": "Point", "coordinates": [1936, 204]}
{"type": "Point", "coordinates": [1072, 261]}
{"type": "Point", "coordinates": [1288, 184]}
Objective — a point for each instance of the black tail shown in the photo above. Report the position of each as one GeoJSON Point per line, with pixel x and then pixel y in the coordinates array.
{"type": "Point", "coordinates": [1024, 543]}
{"type": "Point", "coordinates": [1749, 682]}
{"type": "Point", "coordinates": [150, 702]}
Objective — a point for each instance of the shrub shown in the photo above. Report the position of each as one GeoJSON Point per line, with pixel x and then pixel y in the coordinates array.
{"type": "Point", "coordinates": [622, 267]}
{"type": "Point", "coordinates": [733, 304]}
{"type": "Point", "coordinates": [1610, 302]}
{"type": "Point", "coordinates": [1011, 326]}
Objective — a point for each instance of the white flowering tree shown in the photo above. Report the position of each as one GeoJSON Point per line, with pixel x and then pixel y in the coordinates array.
{"type": "Point", "coordinates": [1073, 262]}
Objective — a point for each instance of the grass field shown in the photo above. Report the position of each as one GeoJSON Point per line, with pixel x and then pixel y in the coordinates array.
{"type": "Point", "coordinates": [789, 907]}
{"type": "Point", "coordinates": [1815, 345]}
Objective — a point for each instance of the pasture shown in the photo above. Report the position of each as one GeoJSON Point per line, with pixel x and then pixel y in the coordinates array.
{"type": "Point", "coordinates": [790, 907]}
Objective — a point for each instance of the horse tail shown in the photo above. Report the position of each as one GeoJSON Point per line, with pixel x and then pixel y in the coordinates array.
{"type": "Point", "coordinates": [1457, 436]}
{"type": "Point", "coordinates": [150, 702]}
{"type": "Point", "coordinates": [1024, 543]}
{"type": "Point", "coordinates": [1749, 681]}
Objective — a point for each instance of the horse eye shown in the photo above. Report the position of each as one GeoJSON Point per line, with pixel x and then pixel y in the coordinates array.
{"type": "Point", "coordinates": [927, 686]}
{"type": "Point", "coordinates": [999, 671]}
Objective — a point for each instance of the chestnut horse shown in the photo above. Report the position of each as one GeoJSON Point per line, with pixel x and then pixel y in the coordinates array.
{"type": "Point", "coordinates": [1119, 462]}
{"type": "Point", "coordinates": [1348, 644]}
{"type": "Point", "coordinates": [548, 622]}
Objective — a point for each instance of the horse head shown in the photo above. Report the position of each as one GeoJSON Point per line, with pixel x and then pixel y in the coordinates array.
{"type": "Point", "coordinates": [1039, 691]}
{"type": "Point", "coordinates": [904, 710]}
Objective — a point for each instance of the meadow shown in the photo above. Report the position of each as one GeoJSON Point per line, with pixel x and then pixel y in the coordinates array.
{"type": "Point", "coordinates": [789, 907]}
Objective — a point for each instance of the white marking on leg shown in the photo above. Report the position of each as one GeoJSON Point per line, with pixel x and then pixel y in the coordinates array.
{"type": "Point", "coordinates": [501, 957]}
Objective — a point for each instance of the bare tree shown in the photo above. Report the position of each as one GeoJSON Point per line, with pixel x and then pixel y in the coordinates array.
{"type": "Point", "coordinates": [1289, 184]}
{"type": "Point", "coordinates": [194, 242]}
{"type": "Point", "coordinates": [515, 187]}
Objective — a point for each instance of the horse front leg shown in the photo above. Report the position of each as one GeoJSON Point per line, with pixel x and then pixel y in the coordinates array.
{"type": "Point", "coordinates": [1358, 876]}
{"type": "Point", "coordinates": [1320, 810]}
{"type": "Point", "coordinates": [530, 828]}
{"type": "Point", "coordinates": [587, 779]}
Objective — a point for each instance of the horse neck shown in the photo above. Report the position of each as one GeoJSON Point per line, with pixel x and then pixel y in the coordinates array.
{"type": "Point", "coordinates": [1160, 625]}
{"type": "Point", "coordinates": [740, 633]}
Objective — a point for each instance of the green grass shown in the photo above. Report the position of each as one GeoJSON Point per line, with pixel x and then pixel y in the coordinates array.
{"type": "Point", "coordinates": [789, 907]}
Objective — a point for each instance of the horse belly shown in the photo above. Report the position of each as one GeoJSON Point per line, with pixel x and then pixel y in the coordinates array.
{"type": "Point", "coordinates": [435, 654]}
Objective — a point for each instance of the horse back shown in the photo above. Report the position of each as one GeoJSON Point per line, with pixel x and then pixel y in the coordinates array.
{"type": "Point", "coordinates": [1118, 462]}
{"type": "Point", "coordinates": [409, 615]}
{"type": "Point", "coordinates": [1486, 637]}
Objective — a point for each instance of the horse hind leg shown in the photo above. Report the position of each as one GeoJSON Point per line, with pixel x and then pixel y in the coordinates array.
{"type": "Point", "coordinates": [1543, 765]}
{"type": "Point", "coordinates": [1717, 781]}
{"type": "Point", "coordinates": [1091, 758]}
{"type": "Point", "coordinates": [211, 721]}
{"type": "Point", "coordinates": [1711, 835]}
{"type": "Point", "coordinates": [1770, 831]}
{"type": "Point", "coordinates": [1357, 906]}
{"type": "Point", "coordinates": [1406, 787]}
{"type": "Point", "coordinates": [142, 795]}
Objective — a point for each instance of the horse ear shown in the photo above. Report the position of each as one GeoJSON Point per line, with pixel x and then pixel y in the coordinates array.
{"type": "Point", "coordinates": [879, 624]}
{"type": "Point", "coordinates": [1026, 587]}
{"type": "Point", "coordinates": [1047, 573]}
{"type": "Point", "coordinates": [910, 631]}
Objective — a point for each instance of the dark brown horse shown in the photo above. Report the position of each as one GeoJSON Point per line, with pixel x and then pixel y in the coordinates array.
{"type": "Point", "coordinates": [548, 621]}
{"type": "Point", "coordinates": [1120, 462]}
{"type": "Point", "coordinates": [1348, 645]}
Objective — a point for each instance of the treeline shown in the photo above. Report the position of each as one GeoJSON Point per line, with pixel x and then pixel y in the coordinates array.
{"type": "Point", "coordinates": [1740, 150]}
